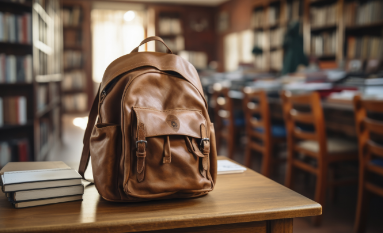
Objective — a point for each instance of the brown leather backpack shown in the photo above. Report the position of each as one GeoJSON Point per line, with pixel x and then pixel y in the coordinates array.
{"type": "Point", "coordinates": [149, 132]}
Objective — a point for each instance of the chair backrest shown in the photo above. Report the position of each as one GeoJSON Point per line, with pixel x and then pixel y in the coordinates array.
{"type": "Point", "coordinates": [223, 106]}
{"type": "Point", "coordinates": [255, 102]}
{"type": "Point", "coordinates": [304, 109]}
{"type": "Point", "coordinates": [366, 126]}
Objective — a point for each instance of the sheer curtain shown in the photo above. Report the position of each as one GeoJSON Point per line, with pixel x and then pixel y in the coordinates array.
{"type": "Point", "coordinates": [114, 36]}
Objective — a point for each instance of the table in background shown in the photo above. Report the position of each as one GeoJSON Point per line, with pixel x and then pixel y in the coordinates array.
{"type": "Point", "coordinates": [246, 202]}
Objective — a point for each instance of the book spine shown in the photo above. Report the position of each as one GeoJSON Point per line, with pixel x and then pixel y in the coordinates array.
{"type": "Point", "coordinates": [28, 68]}
{"type": "Point", "coordinates": [22, 110]}
{"type": "Point", "coordinates": [24, 29]}
{"type": "Point", "coordinates": [2, 68]}
{"type": "Point", "coordinates": [29, 28]}
{"type": "Point", "coordinates": [1, 26]}
{"type": "Point", "coordinates": [1, 112]}
{"type": "Point", "coordinates": [19, 29]}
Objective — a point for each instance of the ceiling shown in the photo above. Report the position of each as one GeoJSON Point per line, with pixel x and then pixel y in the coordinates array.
{"type": "Point", "coordinates": [189, 2]}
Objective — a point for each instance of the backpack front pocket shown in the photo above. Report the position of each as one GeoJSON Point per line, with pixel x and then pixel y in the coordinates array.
{"type": "Point", "coordinates": [170, 153]}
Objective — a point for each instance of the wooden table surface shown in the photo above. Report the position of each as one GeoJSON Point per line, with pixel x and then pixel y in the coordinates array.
{"type": "Point", "coordinates": [237, 199]}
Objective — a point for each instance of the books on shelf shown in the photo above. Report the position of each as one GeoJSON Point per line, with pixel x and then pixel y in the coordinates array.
{"type": "Point", "coordinates": [323, 44]}
{"type": "Point", "coordinates": [75, 102]}
{"type": "Point", "coordinates": [273, 14]}
{"type": "Point", "coordinates": [71, 16]}
{"type": "Point", "coordinates": [14, 110]}
{"type": "Point", "coordinates": [369, 12]}
{"type": "Point", "coordinates": [364, 47]}
{"type": "Point", "coordinates": [14, 150]}
{"type": "Point", "coordinates": [75, 80]}
{"type": "Point", "coordinates": [169, 26]}
{"type": "Point", "coordinates": [276, 59]}
{"type": "Point", "coordinates": [276, 37]}
{"type": "Point", "coordinates": [44, 132]}
{"type": "Point", "coordinates": [42, 96]}
{"type": "Point", "coordinates": [72, 59]}
{"type": "Point", "coordinates": [323, 16]}
{"type": "Point", "coordinates": [259, 41]}
{"type": "Point", "coordinates": [176, 44]}
{"type": "Point", "coordinates": [15, 69]}
{"type": "Point", "coordinates": [257, 18]}
{"type": "Point", "coordinates": [38, 183]}
{"type": "Point", "coordinates": [292, 10]}
{"type": "Point", "coordinates": [197, 59]}
{"type": "Point", "coordinates": [361, 13]}
{"type": "Point", "coordinates": [72, 38]}
{"type": "Point", "coordinates": [15, 28]}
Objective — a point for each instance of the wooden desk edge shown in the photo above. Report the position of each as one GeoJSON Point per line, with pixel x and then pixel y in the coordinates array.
{"type": "Point", "coordinates": [163, 224]}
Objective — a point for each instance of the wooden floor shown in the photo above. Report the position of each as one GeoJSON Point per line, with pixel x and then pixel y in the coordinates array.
{"type": "Point", "coordinates": [338, 217]}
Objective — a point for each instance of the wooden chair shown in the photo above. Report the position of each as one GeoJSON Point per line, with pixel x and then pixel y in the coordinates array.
{"type": "Point", "coordinates": [370, 154]}
{"type": "Point", "coordinates": [313, 144]}
{"type": "Point", "coordinates": [260, 128]}
{"type": "Point", "coordinates": [225, 124]}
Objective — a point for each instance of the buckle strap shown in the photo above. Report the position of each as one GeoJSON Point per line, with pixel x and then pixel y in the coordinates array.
{"type": "Point", "coordinates": [167, 153]}
{"type": "Point", "coordinates": [141, 144]}
{"type": "Point", "coordinates": [205, 146]}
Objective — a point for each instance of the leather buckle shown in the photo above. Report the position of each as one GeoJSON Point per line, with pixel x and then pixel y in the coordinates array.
{"type": "Point", "coordinates": [144, 141]}
{"type": "Point", "coordinates": [202, 140]}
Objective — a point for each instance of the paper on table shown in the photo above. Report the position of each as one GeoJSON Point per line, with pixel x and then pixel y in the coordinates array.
{"type": "Point", "coordinates": [228, 167]}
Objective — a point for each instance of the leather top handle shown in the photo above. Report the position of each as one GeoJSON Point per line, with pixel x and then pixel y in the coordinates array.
{"type": "Point", "coordinates": [151, 38]}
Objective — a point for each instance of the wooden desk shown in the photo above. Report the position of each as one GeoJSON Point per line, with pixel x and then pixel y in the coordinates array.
{"type": "Point", "coordinates": [246, 202]}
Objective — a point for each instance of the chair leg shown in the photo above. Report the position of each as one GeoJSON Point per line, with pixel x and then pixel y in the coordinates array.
{"type": "Point", "coordinates": [334, 176]}
{"type": "Point", "coordinates": [231, 142]}
{"type": "Point", "coordinates": [248, 156]}
{"type": "Point", "coordinates": [266, 162]}
{"type": "Point", "coordinates": [362, 205]}
{"type": "Point", "coordinates": [289, 173]}
{"type": "Point", "coordinates": [320, 190]}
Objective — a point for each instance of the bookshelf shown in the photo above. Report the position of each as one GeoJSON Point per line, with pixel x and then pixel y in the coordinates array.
{"type": "Point", "coordinates": [269, 21]}
{"type": "Point", "coordinates": [353, 32]}
{"type": "Point", "coordinates": [77, 85]}
{"type": "Point", "coordinates": [30, 49]}
{"type": "Point", "coordinates": [179, 26]}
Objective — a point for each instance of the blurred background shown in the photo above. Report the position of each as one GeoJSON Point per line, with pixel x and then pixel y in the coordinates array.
{"type": "Point", "coordinates": [53, 55]}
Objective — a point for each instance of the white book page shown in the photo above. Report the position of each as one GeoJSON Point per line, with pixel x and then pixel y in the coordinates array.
{"type": "Point", "coordinates": [228, 167]}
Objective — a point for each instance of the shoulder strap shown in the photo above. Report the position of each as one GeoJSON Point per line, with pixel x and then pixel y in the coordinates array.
{"type": "Point", "coordinates": [86, 149]}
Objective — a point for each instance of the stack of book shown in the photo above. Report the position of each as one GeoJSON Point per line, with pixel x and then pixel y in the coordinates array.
{"type": "Point", "coordinates": [28, 184]}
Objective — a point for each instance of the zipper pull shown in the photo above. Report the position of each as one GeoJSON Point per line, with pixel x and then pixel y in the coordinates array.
{"type": "Point", "coordinates": [103, 95]}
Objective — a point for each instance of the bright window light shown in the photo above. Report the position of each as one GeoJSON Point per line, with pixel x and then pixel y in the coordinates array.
{"type": "Point", "coordinates": [80, 122]}
{"type": "Point", "coordinates": [129, 16]}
